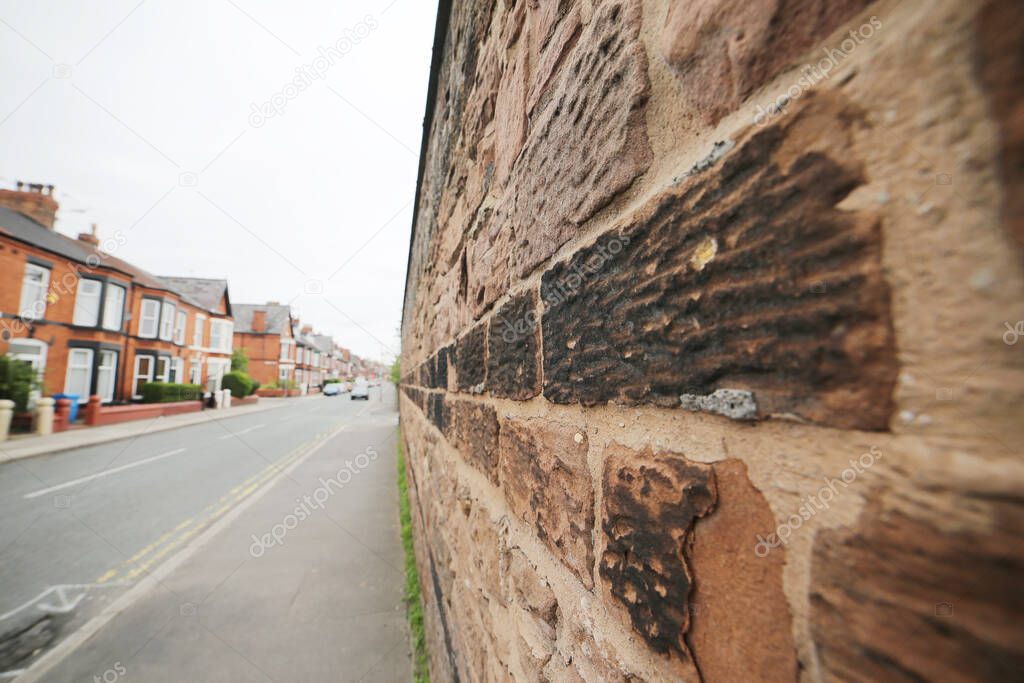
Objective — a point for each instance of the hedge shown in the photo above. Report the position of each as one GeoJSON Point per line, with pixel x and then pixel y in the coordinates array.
{"type": "Point", "coordinates": [240, 384]}
{"type": "Point", "coordinates": [168, 392]}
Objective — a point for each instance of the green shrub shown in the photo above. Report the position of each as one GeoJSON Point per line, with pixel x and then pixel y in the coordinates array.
{"type": "Point", "coordinates": [238, 382]}
{"type": "Point", "coordinates": [239, 361]}
{"type": "Point", "coordinates": [17, 380]}
{"type": "Point", "coordinates": [169, 392]}
{"type": "Point", "coordinates": [333, 380]}
{"type": "Point", "coordinates": [255, 385]}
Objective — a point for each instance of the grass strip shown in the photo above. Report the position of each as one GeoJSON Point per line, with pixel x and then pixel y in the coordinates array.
{"type": "Point", "coordinates": [413, 599]}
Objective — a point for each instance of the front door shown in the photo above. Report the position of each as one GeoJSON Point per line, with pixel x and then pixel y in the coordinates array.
{"type": "Point", "coordinates": [143, 374]}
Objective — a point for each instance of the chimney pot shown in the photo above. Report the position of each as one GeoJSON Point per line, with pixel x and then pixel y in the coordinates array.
{"type": "Point", "coordinates": [29, 200]}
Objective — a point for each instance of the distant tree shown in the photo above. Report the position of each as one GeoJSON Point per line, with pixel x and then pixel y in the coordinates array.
{"type": "Point", "coordinates": [396, 371]}
{"type": "Point", "coordinates": [239, 361]}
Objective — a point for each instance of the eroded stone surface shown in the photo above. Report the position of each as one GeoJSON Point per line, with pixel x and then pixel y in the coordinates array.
{"type": "Point", "coordinates": [547, 484]}
{"type": "Point", "coordinates": [723, 50]}
{"type": "Point", "coordinates": [474, 433]}
{"type": "Point", "coordinates": [1000, 41]}
{"type": "Point", "coordinates": [470, 358]}
{"type": "Point", "coordinates": [650, 505]}
{"type": "Point", "coordinates": [738, 605]}
{"type": "Point", "coordinates": [589, 142]}
{"type": "Point", "coordinates": [513, 344]}
{"type": "Point", "coordinates": [749, 279]}
{"type": "Point", "coordinates": [901, 599]}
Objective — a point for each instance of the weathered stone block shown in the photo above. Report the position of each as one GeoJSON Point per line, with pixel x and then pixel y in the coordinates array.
{"type": "Point", "coordinates": [471, 358]}
{"type": "Point", "coordinates": [437, 411]}
{"type": "Point", "coordinates": [746, 278]}
{"type": "Point", "coordinates": [474, 433]}
{"type": "Point", "coordinates": [723, 50]}
{"type": "Point", "coordinates": [739, 604]}
{"type": "Point", "coordinates": [924, 594]}
{"type": "Point", "coordinates": [999, 36]}
{"type": "Point", "coordinates": [589, 142]}
{"type": "Point", "coordinates": [547, 484]}
{"type": "Point", "coordinates": [650, 505]}
{"type": "Point", "coordinates": [513, 348]}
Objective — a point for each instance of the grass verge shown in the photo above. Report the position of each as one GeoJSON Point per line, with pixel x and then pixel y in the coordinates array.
{"type": "Point", "coordinates": [413, 600]}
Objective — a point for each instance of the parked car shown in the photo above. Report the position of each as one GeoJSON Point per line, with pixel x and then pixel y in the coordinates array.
{"type": "Point", "coordinates": [361, 390]}
{"type": "Point", "coordinates": [332, 389]}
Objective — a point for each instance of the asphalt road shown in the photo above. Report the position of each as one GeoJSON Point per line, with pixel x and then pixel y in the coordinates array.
{"type": "Point", "coordinates": [100, 519]}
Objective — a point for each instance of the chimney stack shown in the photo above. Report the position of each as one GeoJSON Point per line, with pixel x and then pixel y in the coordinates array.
{"type": "Point", "coordinates": [33, 202]}
{"type": "Point", "coordinates": [259, 321]}
{"type": "Point", "coordinates": [90, 237]}
{"type": "Point", "coordinates": [307, 329]}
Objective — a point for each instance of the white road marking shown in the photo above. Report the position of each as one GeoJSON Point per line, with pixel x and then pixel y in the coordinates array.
{"type": "Point", "coordinates": [104, 473]}
{"type": "Point", "coordinates": [240, 432]}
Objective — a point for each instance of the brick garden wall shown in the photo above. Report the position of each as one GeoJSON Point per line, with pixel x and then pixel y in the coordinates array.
{"type": "Point", "coordinates": [707, 371]}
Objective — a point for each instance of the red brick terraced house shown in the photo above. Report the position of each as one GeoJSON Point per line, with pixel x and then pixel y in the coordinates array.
{"type": "Point", "coordinates": [91, 323]}
{"type": "Point", "coordinates": [264, 332]}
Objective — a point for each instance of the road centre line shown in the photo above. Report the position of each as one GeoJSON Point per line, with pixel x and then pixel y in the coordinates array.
{"type": "Point", "coordinates": [104, 473]}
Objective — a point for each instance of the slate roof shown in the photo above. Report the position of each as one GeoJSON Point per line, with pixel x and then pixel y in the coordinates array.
{"type": "Point", "coordinates": [278, 317]}
{"type": "Point", "coordinates": [18, 226]}
{"type": "Point", "coordinates": [208, 292]}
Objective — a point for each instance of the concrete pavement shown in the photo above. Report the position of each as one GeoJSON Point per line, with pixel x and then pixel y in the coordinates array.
{"type": "Point", "coordinates": [284, 577]}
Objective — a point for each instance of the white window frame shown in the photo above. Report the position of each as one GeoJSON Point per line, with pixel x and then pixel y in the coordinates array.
{"type": "Point", "coordinates": [153, 316]}
{"type": "Point", "coordinates": [195, 373]}
{"type": "Point", "coordinates": [89, 355]}
{"type": "Point", "coordinates": [112, 308]}
{"type": "Point", "coordinates": [285, 349]}
{"type": "Point", "coordinates": [136, 376]}
{"type": "Point", "coordinates": [180, 323]}
{"type": "Point", "coordinates": [220, 335]}
{"type": "Point", "coordinates": [109, 369]}
{"type": "Point", "coordinates": [178, 370]}
{"type": "Point", "coordinates": [199, 333]}
{"type": "Point", "coordinates": [87, 305]}
{"type": "Point", "coordinates": [33, 294]}
{"type": "Point", "coordinates": [164, 376]}
{"type": "Point", "coordinates": [167, 311]}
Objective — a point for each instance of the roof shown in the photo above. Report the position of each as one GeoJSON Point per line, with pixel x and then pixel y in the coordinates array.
{"type": "Point", "coordinates": [18, 226]}
{"type": "Point", "coordinates": [322, 342]}
{"type": "Point", "coordinates": [278, 317]}
{"type": "Point", "coordinates": [206, 291]}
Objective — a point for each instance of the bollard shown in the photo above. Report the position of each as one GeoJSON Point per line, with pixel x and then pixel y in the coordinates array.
{"type": "Point", "coordinates": [225, 402]}
{"type": "Point", "coordinates": [6, 413]}
{"type": "Point", "coordinates": [61, 414]}
{"type": "Point", "coordinates": [92, 410]}
{"type": "Point", "coordinates": [44, 416]}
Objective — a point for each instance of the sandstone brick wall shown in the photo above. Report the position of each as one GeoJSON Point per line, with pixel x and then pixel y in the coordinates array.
{"type": "Point", "coordinates": [710, 345]}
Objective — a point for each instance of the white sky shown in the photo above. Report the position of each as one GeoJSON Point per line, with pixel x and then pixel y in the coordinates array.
{"type": "Point", "coordinates": [113, 101]}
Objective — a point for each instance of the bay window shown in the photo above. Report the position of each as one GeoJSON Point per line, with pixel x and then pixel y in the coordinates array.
{"type": "Point", "coordinates": [199, 331]}
{"type": "Point", "coordinates": [167, 321]}
{"type": "Point", "coordinates": [33, 291]}
{"type": "Point", "coordinates": [113, 307]}
{"type": "Point", "coordinates": [220, 335]}
{"type": "Point", "coordinates": [87, 303]}
{"type": "Point", "coordinates": [150, 318]}
{"type": "Point", "coordinates": [179, 327]}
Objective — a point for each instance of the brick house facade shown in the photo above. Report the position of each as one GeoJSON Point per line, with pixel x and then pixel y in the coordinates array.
{"type": "Point", "coordinates": [264, 332]}
{"type": "Point", "coordinates": [91, 323]}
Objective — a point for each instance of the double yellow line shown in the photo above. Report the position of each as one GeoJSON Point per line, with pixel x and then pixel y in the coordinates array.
{"type": "Point", "coordinates": [142, 561]}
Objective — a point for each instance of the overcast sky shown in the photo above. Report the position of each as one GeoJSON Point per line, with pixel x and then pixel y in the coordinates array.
{"type": "Point", "coordinates": [151, 119]}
